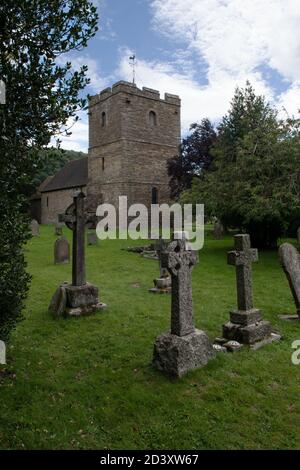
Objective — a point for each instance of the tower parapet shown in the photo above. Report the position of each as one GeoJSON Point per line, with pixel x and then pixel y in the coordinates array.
{"type": "Point", "coordinates": [131, 88]}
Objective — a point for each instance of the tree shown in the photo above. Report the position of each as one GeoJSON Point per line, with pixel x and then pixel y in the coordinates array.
{"type": "Point", "coordinates": [50, 161]}
{"type": "Point", "coordinates": [256, 179]}
{"type": "Point", "coordinates": [194, 159]}
{"type": "Point", "coordinates": [42, 93]}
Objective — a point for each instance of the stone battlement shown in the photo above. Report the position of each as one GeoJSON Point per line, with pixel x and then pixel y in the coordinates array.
{"type": "Point", "coordinates": [131, 88]}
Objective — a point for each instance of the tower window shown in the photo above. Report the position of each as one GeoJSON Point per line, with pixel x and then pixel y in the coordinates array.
{"type": "Point", "coordinates": [103, 119]}
{"type": "Point", "coordinates": [103, 164]}
{"type": "Point", "coordinates": [47, 201]}
{"type": "Point", "coordinates": [152, 119]}
{"type": "Point", "coordinates": [154, 196]}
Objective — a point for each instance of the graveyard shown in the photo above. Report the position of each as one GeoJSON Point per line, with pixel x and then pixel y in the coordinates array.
{"type": "Point", "coordinates": [89, 383]}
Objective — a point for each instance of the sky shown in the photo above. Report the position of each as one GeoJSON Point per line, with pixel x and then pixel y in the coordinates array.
{"type": "Point", "coordinates": [200, 50]}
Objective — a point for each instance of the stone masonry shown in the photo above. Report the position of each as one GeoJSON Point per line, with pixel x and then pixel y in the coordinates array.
{"type": "Point", "coordinates": [132, 134]}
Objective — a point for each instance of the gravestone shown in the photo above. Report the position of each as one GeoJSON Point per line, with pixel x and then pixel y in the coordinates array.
{"type": "Point", "coordinates": [218, 232]}
{"type": "Point", "coordinates": [2, 353]}
{"type": "Point", "coordinates": [61, 251]}
{"type": "Point", "coordinates": [80, 297]}
{"type": "Point", "coordinates": [58, 230]}
{"type": "Point", "coordinates": [246, 324]}
{"type": "Point", "coordinates": [290, 261]}
{"type": "Point", "coordinates": [298, 235]}
{"type": "Point", "coordinates": [183, 348]}
{"type": "Point", "coordinates": [92, 238]}
{"type": "Point", "coordinates": [34, 227]}
{"type": "Point", "coordinates": [162, 284]}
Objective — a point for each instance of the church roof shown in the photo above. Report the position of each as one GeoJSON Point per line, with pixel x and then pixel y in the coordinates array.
{"type": "Point", "coordinates": [37, 194]}
{"type": "Point", "coordinates": [72, 175]}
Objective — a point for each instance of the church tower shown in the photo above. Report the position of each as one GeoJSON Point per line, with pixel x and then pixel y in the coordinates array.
{"type": "Point", "coordinates": [132, 134]}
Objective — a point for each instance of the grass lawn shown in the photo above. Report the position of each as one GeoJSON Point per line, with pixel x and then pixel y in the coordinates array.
{"type": "Point", "coordinates": [88, 383]}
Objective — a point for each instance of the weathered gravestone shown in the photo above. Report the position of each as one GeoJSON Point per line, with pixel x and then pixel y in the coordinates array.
{"type": "Point", "coordinates": [92, 238]}
{"type": "Point", "coordinates": [80, 297]}
{"type": "Point", "coordinates": [61, 251]}
{"type": "Point", "coordinates": [298, 235]}
{"type": "Point", "coordinates": [218, 232]}
{"type": "Point", "coordinates": [2, 353]}
{"type": "Point", "coordinates": [183, 348]}
{"type": "Point", "coordinates": [58, 229]}
{"type": "Point", "coordinates": [246, 324]}
{"type": "Point", "coordinates": [162, 284]}
{"type": "Point", "coordinates": [290, 261]}
{"type": "Point", "coordinates": [34, 227]}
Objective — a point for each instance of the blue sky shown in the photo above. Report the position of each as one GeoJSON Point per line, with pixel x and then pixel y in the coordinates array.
{"type": "Point", "coordinates": [199, 49]}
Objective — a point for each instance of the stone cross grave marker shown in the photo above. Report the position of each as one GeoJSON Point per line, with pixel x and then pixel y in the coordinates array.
{"type": "Point", "coordinates": [242, 258]}
{"type": "Point", "coordinates": [2, 353]}
{"type": "Point", "coordinates": [61, 251]}
{"type": "Point", "coordinates": [76, 220]}
{"type": "Point", "coordinates": [160, 246]}
{"type": "Point", "coordinates": [183, 348]}
{"type": "Point", "coordinates": [180, 263]}
{"type": "Point", "coordinates": [246, 324]}
{"type": "Point", "coordinates": [162, 284]}
{"type": "Point", "coordinates": [34, 227]}
{"type": "Point", "coordinates": [80, 297]}
{"type": "Point", "coordinates": [290, 261]}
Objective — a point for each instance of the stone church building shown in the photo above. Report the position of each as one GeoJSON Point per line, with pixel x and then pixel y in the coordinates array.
{"type": "Point", "coordinates": [132, 134]}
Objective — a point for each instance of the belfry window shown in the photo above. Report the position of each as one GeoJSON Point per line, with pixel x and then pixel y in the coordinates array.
{"type": "Point", "coordinates": [103, 119]}
{"type": "Point", "coordinates": [152, 119]}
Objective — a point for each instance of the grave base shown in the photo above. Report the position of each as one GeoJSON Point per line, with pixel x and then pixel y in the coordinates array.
{"type": "Point", "coordinates": [245, 317]}
{"type": "Point", "coordinates": [273, 337]}
{"type": "Point", "coordinates": [289, 317]}
{"type": "Point", "coordinates": [162, 285]}
{"type": "Point", "coordinates": [71, 300]}
{"type": "Point", "coordinates": [249, 334]}
{"type": "Point", "coordinates": [86, 310]}
{"type": "Point", "coordinates": [176, 355]}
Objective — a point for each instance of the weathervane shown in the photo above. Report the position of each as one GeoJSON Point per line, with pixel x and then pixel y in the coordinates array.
{"type": "Point", "coordinates": [133, 64]}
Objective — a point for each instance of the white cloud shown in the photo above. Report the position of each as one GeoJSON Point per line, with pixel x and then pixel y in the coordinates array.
{"type": "Point", "coordinates": [97, 80]}
{"type": "Point", "coordinates": [235, 38]}
{"type": "Point", "coordinates": [231, 40]}
{"type": "Point", "coordinates": [78, 140]}
{"type": "Point", "coordinates": [197, 101]}
{"type": "Point", "coordinates": [289, 102]}
{"type": "Point", "coordinates": [236, 35]}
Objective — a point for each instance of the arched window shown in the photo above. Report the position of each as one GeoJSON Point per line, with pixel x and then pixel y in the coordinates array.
{"type": "Point", "coordinates": [154, 196]}
{"type": "Point", "coordinates": [152, 119]}
{"type": "Point", "coordinates": [103, 119]}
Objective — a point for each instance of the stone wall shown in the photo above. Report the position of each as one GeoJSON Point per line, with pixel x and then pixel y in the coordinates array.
{"type": "Point", "coordinates": [54, 203]}
{"type": "Point", "coordinates": [128, 153]}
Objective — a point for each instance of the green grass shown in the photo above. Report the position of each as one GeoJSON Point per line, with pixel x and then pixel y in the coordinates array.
{"type": "Point", "coordinates": [87, 383]}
